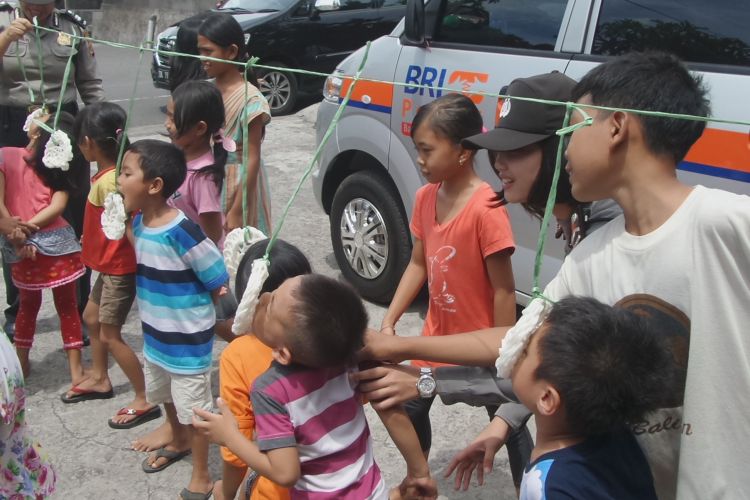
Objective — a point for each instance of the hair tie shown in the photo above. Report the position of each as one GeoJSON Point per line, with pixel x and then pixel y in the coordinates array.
{"type": "Point", "coordinates": [226, 142]}
{"type": "Point", "coordinates": [118, 131]}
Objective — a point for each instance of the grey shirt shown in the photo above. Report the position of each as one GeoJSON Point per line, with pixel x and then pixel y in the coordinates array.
{"type": "Point", "coordinates": [56, 49]}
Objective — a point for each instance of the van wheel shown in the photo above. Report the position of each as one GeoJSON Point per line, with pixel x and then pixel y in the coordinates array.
{"type": "Point", "coordinates": [370, 235]}
{"type": "Point", "coordinates": [279, 88]}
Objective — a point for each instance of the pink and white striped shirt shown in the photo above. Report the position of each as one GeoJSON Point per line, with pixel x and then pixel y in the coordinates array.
{"type": "Point", "coordinates": [319, 412]}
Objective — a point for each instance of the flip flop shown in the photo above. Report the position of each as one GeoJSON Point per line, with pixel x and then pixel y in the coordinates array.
{"type": "Point", "coordinates": [85, 395]}
{"type": "Point", "coordinates": [186, 494]}
{"type": "Point", "coordinates": [171, 456]}
{"type": "Point", "coordinates": [141, 417]}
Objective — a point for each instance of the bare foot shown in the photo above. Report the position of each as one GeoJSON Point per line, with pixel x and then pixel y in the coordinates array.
{"type": "Point", "coordinates": [161, 436]}
{"type": "Point", "coordinates": [90, 384]}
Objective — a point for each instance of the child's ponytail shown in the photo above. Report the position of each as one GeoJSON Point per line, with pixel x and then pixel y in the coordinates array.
{"type": "Point", "coordinates": [104, 124]}
{"type": "Point", "coordinates": [200, 101]}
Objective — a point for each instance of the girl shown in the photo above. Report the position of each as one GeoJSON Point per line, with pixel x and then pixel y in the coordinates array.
{"type": "Point", "coordinates": [98, 133]}
{"type": "Point", "coordinates": [185, 69]}
{"type": "Point", "coordinates": [220, 36]}
{"type": "Point", "coordinates": [50, 258]}
{"type": "Point", "coordinates": [245, 359]}
{"type": "Point", "coordinates": [195, 114]}
{"type": "Point", "coordinates": [462, 240]}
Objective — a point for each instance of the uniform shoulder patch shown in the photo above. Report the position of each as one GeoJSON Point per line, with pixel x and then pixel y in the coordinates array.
{"type": "Point", "coordinates": [73, 17]}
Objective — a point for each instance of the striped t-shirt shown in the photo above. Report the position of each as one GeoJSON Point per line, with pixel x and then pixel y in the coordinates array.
{"type": "Point", "coordinates": [318, 411]}
{"type": "Point", "coordinates": [178, 267]}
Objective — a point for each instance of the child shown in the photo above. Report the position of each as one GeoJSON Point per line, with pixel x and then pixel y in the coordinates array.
{"type": "Point", "coordinates": [588, 372]}
{"type": "Point", "coordinates": [311, 431]}
{"type": "Point", "coordinates": [462, 242]}
{"type": "Point", "coordinates": [245, 359]}
{"type": "Point", "coordinates": [195, 115]}
{"type": "Point", "coordinates": [51, 258]}
{"type": "Point", "coordinates": [179, 270]}
{"type": "Point", "coordinates": [247, 112]}
{"type": "Point", "coordinates": [98, 132]}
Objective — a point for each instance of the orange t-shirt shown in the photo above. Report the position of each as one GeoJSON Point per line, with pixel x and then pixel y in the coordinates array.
{"type": "Point", "coordinates": [241, 362]}
{"type": "Point", "coordinates": [461, 295]}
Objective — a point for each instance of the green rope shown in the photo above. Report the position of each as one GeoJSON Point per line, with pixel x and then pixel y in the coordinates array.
{"type": "Point", "coordinates": [41, 59]}
{"type": "Point", "coordinates": [66, 76]}
{"type": "Point", "coordinates": [318, 151]}
{"type": "Point", "coordinates": [123, 138]}
{"type": "Point", "coordinates": [412, 85]}
{"type": "Point", "coordinates": [25, 78]}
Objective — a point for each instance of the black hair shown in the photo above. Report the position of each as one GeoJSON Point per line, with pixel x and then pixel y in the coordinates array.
{"type": "Point", "coordinates": [197, 101]}
{"type": "Point", "coordinates": [286, 261]}
{"type": "Point", "coordinates": [651, 81]}
{"type": "Point", "coordinates": [609, 365]}
{"type": "Point", "coordinates": [224, 30]}
{"type": "Point", "coordinates": [453, 116]}
{"type": "Point", "coordinates": [102, 122]}
{"type": "Point", "coordinates": [76, 179]}
{"type": "Point", "coordinates": [183, 69]}
{"type": "Point", "coordinates": [330, 322]}
{"type": "Point", "coordinates": [163, 160]}
{"type": "Point", "coordinates": [536, 203]}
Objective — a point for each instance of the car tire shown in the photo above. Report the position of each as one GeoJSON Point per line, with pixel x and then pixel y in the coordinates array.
{"type": "Point", "coordinates": [370, 234]}
{"type": "Point", "coordinates": [279, 88]}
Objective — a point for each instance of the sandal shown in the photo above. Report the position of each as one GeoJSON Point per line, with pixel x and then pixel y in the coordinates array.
{"type": "Point", "coordinates": [85, 395]}
{"type": "Point", "coordinates": [141, 417]}
{"type": "Point", "coordinates": [186, 494]}
{"type": "Point", "coordinates": [171, 456]}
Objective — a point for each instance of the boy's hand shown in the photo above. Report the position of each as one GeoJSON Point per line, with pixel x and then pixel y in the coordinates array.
{"type": "Point", "coordinates": [479, 455]}
{"type": "Point", "coordinates": [388, 386]}
{"type": "Point", "coordinates": [219, 428]}
{"type": "Point", "coordinates": [416, 488]}
{"type": "Point", "coordinates": [219, 292]}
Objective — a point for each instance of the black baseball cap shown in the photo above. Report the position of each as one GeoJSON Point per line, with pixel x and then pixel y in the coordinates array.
{"type": "Point", "coordinates": [522, 122]}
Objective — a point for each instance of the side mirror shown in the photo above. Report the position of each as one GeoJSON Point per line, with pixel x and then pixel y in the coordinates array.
{"type": "Point", "coordinates": [414, 23]}
{"type": "Point", "coordinates": [327, 5]}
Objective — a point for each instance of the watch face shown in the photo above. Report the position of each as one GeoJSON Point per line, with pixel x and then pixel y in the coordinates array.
{"type": "Point", "coordinates": [426, 386]}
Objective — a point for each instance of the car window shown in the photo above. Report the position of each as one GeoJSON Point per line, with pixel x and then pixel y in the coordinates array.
{"type": "Point", "coordinates": [393, 3]}
{"type": "Point", "coordinates": [502, 23]}
{"type": "Point", "coordinates": [704, 31]}
{"type": "Point", "coordinates": [354, 4]}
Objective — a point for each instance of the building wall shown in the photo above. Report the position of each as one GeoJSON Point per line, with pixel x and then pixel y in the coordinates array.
{"type": "Point", "coordinates": [126, 21]}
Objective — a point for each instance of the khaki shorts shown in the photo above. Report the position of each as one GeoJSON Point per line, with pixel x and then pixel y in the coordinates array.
{"type": "Point", "coordinates": [185, 391]}
{"type": "Point", "coordinates": [114, 295]}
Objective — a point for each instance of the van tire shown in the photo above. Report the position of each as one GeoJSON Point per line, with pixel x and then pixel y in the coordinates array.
{"type": "Point", "coordinates": [279, 88]}
{"type": "Point", "coordinates": [376, 196]}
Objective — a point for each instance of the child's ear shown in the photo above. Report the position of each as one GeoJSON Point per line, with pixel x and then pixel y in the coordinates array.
{"type": "Point", "coordinates": [549, 401]}
{"type": "Point", "coordinates": [201, 128]}
{"type": "Point", "coordinates": [155, 186]}
{"type": "Point", "coordinates": [233, 51]}
{"type": "Point", "coordinates": [619, 123]}
{"type": "Point", "coordinates": [282, 355]}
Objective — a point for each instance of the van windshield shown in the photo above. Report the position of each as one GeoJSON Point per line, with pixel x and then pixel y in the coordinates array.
{"type": "Point", "coordinates": [257, 5]}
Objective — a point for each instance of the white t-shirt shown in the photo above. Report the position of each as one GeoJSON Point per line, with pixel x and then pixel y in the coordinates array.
{"type": "Point", "coordinates": [693, 272]}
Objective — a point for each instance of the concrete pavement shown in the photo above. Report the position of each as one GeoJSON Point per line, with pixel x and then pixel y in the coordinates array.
{"type": "Point", "coordinates": [93, 461]}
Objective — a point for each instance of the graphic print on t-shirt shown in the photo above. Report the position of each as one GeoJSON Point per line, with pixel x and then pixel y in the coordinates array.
{"type": "Point", "coordinates": [437, 278]}
{"type": "Point", "coordinates": [532, 486]}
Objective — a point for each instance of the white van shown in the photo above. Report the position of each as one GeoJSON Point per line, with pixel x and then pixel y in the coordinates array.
{"type": "Point", "coordinates": [367, 175]}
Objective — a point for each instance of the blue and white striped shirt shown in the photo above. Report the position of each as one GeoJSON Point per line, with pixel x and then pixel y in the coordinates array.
{"type": "Point", "coordinates": [178, 267]}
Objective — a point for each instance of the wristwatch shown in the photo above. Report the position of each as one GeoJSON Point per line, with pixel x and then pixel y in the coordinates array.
{"type": "Point", "coordinates": [426, 385]}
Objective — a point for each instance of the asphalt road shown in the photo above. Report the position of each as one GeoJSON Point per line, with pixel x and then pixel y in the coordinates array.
{"type": "Point", "coordinates": [93, 461]}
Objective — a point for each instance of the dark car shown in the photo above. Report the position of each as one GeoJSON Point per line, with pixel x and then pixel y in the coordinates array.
{"type": "Point", "coordinates": [313, 35]}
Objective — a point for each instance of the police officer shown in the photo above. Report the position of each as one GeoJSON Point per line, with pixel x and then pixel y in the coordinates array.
{"type": "Point", "coordinates": [20, 73]}
{"type": "Point", "coordinates": [20, 56]}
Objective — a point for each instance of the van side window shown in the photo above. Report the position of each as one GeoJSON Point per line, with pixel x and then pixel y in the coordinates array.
{"type": "Point", "coordinates": [393, 3]}
{"type": "Point", "coordinates": [702, 31]}
{"type": "Point", "coordinates": [354, 4]}
{"type": "Point", "coordinates": [502, 23]}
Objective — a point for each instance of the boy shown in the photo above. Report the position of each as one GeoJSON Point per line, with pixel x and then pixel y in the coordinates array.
{"type": "Point", "coordinates": [679, 246]}
{"type": "Point", "coordinates": [311, 431]}
{"type": "Point", "coordinates": [179, 272]}
{"type": "Point", "coordinates": [587, 372]}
